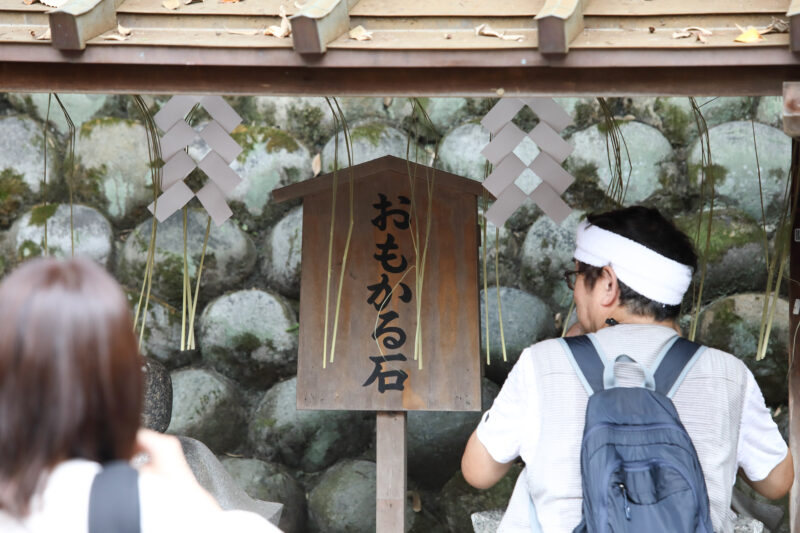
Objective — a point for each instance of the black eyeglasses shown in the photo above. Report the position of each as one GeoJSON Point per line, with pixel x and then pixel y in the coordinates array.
{"type": "Point", "coordinates": [570, 276]}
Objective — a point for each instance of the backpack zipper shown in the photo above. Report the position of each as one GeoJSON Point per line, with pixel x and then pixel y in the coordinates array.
{"type": "Point", "coordinates": [625, 503]}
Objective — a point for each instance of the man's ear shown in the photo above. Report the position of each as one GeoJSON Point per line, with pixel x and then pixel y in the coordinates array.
{"type": "Point", "coordinates": [610, 287]}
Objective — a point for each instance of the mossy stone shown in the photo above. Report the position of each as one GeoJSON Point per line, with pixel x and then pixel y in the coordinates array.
{"type": "Point", "coordinates": [460, 500]}
{"type": "Point", "coordinates": [369, 140]}
{"type": "Point", "coordinates": [22, 152]}
{"type": "Point", "coordinates": [14, 195]}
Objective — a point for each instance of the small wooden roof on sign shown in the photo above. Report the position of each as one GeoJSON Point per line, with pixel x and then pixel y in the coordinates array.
{"type": "Point", "coordinates": [415, 47]}
{"type": "Point", "coordinates": [381, 165]}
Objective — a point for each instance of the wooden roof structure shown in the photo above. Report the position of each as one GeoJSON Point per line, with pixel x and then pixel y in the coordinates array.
{"type": "Point", "coordinates": [417, 47]}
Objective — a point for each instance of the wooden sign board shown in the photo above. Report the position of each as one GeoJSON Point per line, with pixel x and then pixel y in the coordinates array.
{"type": "Point", "coordinates": [374, 366]}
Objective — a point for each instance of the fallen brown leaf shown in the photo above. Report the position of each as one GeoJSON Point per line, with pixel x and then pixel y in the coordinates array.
{"type": "Point", "coordinates": [651, 29]}
{"type": "Point", "coordinates": [229, 1]}
{"type": "Point", "coordinates": [316, 165]}
{"type": "Point", "coordinates": [114, 37]}
{"type": "Point", "coordinates": [416, 501]}
{"type": "Point", "coordinates": [360, 33]}
{"type": "Point", "coordinates": [448, 36]}
{"type": "Point", "coordinates": [282, 31]}
{"type": "Point", "coordinates": [54, 3]}
{"type": "Point", "coordinates": [776, 26]}
{"type": "Point", "coordinates": [171, 4]}
{"type": "Point", "coordinates": [486, 30]}
{"type": "Point", "coordinates": [681, 34]}
{"type": "Point", "coordinates": [698, 29]}
{"type": "Point", "coordinates": [29, 2]}
{"type": "Point", "coordinates": [122, 30]}
{"type": "Point", "coordinates": [44, 36]}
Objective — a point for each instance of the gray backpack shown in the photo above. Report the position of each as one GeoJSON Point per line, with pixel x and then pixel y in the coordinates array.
{"type": "Point", "coordinates": [639, 468]}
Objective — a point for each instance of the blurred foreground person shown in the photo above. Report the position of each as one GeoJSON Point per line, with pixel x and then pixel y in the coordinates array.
{"type": "Point", "coordinates": [71, 382]}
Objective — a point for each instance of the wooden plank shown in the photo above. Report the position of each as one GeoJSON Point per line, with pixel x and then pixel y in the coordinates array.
{"type": "Point", "coordinates": [791, 111]}
{"type": "Point", "coordinates": [81, 20]}
{"type": "Point", "coordinates": [793, 14]}
{"type": "Point", "coordinates": [794, 347]}
{"type": "Point", "coordinates": [391, 462]}
{"type": "Point", "coordinates": [438, 8]}
{"type": "Point", "coordinates": [358, 378]}
{"type": "Point", "coordinates": [684, 7]}
{"type": "Point", "coordinates": [269, 8]}
{"type": "Point", "coordinates": [558, 24]}
{"type": "Point", "coordinates": [314, 26]}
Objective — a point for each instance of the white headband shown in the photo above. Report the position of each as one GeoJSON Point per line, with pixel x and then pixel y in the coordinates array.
{"type": "Point", "coordinates": [644, 270]}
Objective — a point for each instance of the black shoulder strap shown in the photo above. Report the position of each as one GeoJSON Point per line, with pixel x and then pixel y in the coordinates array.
{"type": "Point", "coordinates": [671, 367]}
{"type": "Point", "coordinates": [588, 360]}
{"type": "Point", "coordinates": [114, 500]}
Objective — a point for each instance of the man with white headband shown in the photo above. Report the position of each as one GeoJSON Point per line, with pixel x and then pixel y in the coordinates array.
{"type": "Point", "coordinates": [632, 269]}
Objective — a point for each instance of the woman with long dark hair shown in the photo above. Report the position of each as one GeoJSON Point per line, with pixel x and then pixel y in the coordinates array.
{"type": "Point", "coordinates": [71, 382]}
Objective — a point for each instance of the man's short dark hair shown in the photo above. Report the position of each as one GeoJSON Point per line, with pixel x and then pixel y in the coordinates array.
{"type": "Point", "coordinates": [648, 227]}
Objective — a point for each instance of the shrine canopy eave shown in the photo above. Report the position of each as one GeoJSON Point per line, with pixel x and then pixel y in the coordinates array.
{"type": "Point", "coordinates": [416, 47]}
{"type": "Point", "coordinates": [387, 164]}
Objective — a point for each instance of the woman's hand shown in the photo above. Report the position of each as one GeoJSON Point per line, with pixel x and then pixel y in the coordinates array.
{"type": "Point", "coordinates": [166, 460]}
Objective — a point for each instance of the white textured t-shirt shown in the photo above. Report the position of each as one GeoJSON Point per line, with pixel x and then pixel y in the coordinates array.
{"type": "Point", "coordinates": [539, 416]}
{"type": "Point", "coordinates": [63, 507]}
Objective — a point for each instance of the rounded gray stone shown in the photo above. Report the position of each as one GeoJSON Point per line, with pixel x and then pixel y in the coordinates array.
{"type": "Point", "coordinates": [460, 151]}
{"type": "Point", "coordinates": [678, 121]}
{"type": "Point", "coordinates": [21, 151]}
{"type": "Point", "coordinates": [280, 110]}
{"type": "Point", "coordinates": [115, 152]}
{"type": "Point", "coordinates": [546, 253]}
{"type": "Point", "coordinates": [309, 440]}
{"type": "Point", "coordinates": [446, 113]}
{"type": "Point", "coordinates": [436, 439]}
{"type": "Point", "coordinates": [206, 406]}
{"type": "Point", "coordinates": [526, 320]}
{"type": "Point", "coordinates": [157, 409]}
{"type": "Point", "coordinates": [282, 253]}
{"type": "Point", "coordinates": [92, 233]}
{"type": "Point", "coordinates": [343, 501]}
{"type": "Point", "coordinates": [736, 174]}
{"type": "Point", "coordinates": [736, 260]}
{"type": "Point", "coordinates": [81, 107]}
{"type": "Point", "coordinates": [271, 158]}
{"type": "Point", "coordinates": [274, 483]}
{"type": "Point", "coordinates": [770, 111]}
{"type": "Point", "coordinates": [732, 324]}
{"type": "Point", "coordinates": [162, 335]}
{"type": "Point", "coordinates": [369, 140]}
{"type": "Point", "coordinates": [230, 256]}
{"type": "Point", "coordinates": [649, 151]}
{"type": "Point", "coordinates": [361, 108]}
{"type": "Point", "coordinates": [246, 335]}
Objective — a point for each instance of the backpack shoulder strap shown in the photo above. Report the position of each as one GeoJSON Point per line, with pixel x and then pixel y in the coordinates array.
{"type": "Point", "coordinates": [674, 363]}
{"type": "Point", "coordinates": [586, 361]}
{"type": "Point", "coordinates": [114, 500]}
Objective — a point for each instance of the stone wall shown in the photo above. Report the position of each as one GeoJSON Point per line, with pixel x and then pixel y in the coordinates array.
{"type": "Point", "coordinates": [236, 391]}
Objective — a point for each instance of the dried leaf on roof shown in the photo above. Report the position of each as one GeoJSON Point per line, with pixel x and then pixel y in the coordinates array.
{"type": "Point", "coordinates": [776, 26]}
{"type": "Point", "coordinates": [171, 4]}
{"type": "Point", "coordinates": [486, 30]}
{"type": "Point", "coordinates": [122, 30]}
{"type": "Point", "coordinates": [750, 35]}
{"type": "Point", "coordinates": [282, 31]}
{"type": "Point", "coordinates": [44, 36]}
{"type": "Point", "coordinates": [697, 32]}
{"type": "Point", "coordinates": [360, 33]}
{"type": "Point", "coordinates": [229, 1]}
{"type": "Point", "coordinates": [29, 2]}
{"type": "Point", "coordinates": [54, 3]}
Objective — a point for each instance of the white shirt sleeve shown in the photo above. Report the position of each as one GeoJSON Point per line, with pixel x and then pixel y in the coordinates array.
{"type": "Point", "coordinates": [165, 506]}
{"type": "Point", "coordinates": [513, 415]}
{"type": "Point", "coordinates": [761, 446]}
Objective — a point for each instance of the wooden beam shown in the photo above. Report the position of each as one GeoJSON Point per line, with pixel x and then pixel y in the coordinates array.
{"type": "Point", "coordinates": [794, 347]}
{"type": "Point", "coordinates": [319, 23]}
{"type": "Point", "coordinates": [559, 22]}
{"type": "Point", "coordinates": [791, 109]}
{"type": "Point", "coordinates": [80, 20]}
{"type": "Point", "coordinates": [390, 495]}
{"type": "Point", "coordinates": [794, 25]}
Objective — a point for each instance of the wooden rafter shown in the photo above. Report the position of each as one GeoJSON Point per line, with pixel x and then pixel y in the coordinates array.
{"type": "Point", "coordinates": [559, 23]}
{"type": "Point", "coordinates": [80, 20]}
{"type": "Point", "coordinates": [318, 23]}
{"type": "Point", "coordinates": [794, 25]}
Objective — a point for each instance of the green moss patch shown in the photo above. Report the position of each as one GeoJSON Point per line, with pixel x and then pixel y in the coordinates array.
{"type": "Point", "coordinates": [14, 194]}
{"type": "Point", "coordinates": [274, 139]}
{"type": "Point", "coordinates": [87, 127]}
{"type": "Point", "coordinates": [370, 132]}
{"type": "Point", "coordinates": [728, 230]}
{"type": "Point", "coordinates": [42, 213]}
